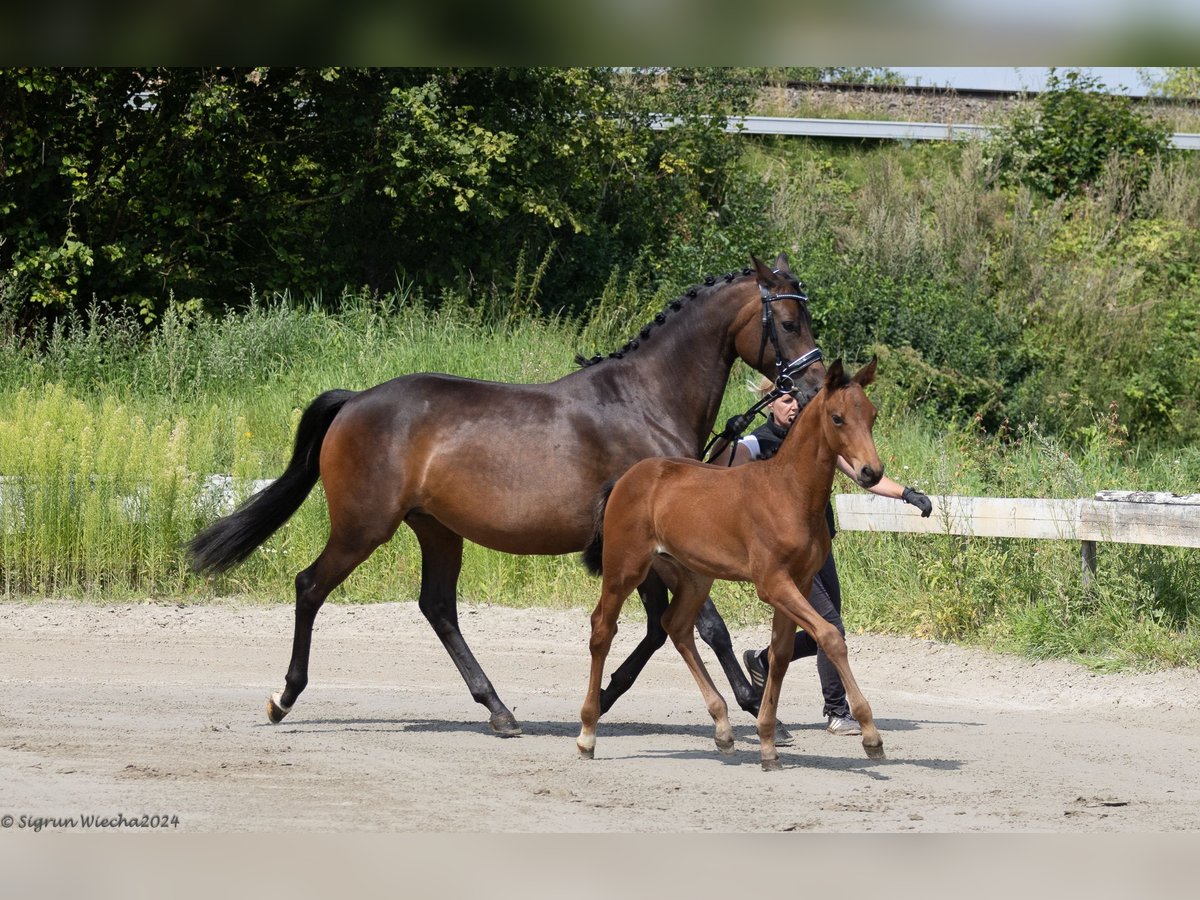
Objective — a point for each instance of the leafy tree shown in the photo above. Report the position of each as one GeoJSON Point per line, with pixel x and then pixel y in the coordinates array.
{"type": "Point", "coordinates": [140, 185]}
{"type": "Point", "coordinates": [1176, 82]}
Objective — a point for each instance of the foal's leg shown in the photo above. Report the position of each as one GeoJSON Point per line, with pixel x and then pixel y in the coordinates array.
{"type": "Point", "coordinates": [779, 655]}
{"type": "Point", "coordinates": [654, 598]}
{"type": "Point", "coordinates": [616, 587]}
{"type": "Point", "coordinates": [784, 595]}
{"type": "Point", "coordinates": [342, 553]}
{"type": "Point", "coordinates": [680, 622]}
{"type": "Point", "coordinates": [713, 632]}
{"type": "Point", "coordinates": [441, 563]}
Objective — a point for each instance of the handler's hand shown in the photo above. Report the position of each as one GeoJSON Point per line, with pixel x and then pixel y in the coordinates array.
{"type": "Point", "coordinates": [919, 500]}
{"type": "Point", "coordinates": [735, 426]}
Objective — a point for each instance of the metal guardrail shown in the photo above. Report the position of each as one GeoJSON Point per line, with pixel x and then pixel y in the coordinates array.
{"type": "Point", "coordinates": [855, 128]}
{"type": "Point", "coordinates": [869, 129]}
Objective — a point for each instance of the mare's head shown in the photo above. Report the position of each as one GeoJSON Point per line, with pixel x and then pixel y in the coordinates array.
{"type": "Point", "coordinates": [774, 331]}
{"type": "Point", "coordinates": [846, 419]}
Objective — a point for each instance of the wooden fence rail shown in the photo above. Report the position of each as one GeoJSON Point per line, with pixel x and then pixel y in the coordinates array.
{"type": "Point", "coordinates": [1126, 517]}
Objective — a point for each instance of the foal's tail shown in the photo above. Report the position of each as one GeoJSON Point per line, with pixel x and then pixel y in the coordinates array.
{"type": "Point", "coordinates": [593, 553]}
{"type": "Point", "coordinates": [229, 540]}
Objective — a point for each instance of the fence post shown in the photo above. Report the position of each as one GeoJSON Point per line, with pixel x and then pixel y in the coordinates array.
{"type": "Point", "coordinates": [1087, 552]}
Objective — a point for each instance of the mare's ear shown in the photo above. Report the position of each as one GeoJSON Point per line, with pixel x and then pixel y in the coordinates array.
{"type": "Point", "coordinates": [765, 276]}
{"type": "Point", "coordinates": [866, 374]}
{"type": "Point", "coordinates": [835, 376]}
{"type": "Point", "coordinates": [782, 264]}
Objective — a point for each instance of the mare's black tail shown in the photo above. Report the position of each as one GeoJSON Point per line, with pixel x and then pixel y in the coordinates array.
{"type": "Point", "coordinates": [593, 553]}
{"type": "Point", "coordinates": [229, 540]}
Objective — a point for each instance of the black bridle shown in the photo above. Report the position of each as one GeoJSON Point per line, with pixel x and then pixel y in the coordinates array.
{"type": "Point", "coordinates": [785, 379]}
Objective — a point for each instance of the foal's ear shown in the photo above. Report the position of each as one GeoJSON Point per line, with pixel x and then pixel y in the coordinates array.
{"type": "Point", "coordinates": [782, 264]}
{"type": "Point", "coordinates": [866, 374]}
{"type": "Point", "coordinates": [835, 376]}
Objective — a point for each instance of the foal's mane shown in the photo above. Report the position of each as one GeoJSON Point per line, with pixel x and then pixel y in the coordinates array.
{"type": "Point", "coordinates": [660, 318]}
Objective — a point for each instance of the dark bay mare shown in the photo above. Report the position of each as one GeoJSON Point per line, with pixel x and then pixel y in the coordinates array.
{"type": "Point", "coordinates": [659, 513]}
{"type": "Point", "coordinates": [516, 467]}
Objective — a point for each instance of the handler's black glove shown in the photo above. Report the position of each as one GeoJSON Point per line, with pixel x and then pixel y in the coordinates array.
{"type": "Point", "coordinates": [919, 500]}
{"type": "Point", "coordinates": [735, 426]}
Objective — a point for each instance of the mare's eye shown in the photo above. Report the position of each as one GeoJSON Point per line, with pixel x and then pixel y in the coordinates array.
{"type": "Point", "coordinates": [789, 326]}
{"type": "Point", "coordinates": [838, 420]}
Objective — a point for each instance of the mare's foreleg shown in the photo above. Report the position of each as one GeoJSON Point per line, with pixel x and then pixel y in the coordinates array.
{"type": "Point", "coordinates": [653, 592]}
{"type": "Point", "coordinates": [714, 632]}
{"type": "Point", "coordinates": [680, 623]}
{"type": "Point", "coordinates": [441, 563]}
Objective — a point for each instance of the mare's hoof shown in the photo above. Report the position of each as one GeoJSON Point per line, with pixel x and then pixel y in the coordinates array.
{"type": "Point", "coordinates": [783, 737]}
{"type": "Point", "coordinates": [276, 710]}
{"type": "Point", "coordinates": [874, 752]}
{"type": "Point", "coordinates": [586, 752]}
{"type": "Point", "coordinates": [725, 748]}
{"type": "Point", "coordinates": [772, 765]}
{"type": "Point", "coordinates": [505, 725]}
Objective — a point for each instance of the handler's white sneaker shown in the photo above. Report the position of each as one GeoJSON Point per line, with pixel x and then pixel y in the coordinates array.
{"type": "Point", "coordinates": [843, 725]}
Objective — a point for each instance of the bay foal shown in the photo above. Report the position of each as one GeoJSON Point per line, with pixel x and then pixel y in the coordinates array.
{"type": "Point", "coordinates": [762, 523]}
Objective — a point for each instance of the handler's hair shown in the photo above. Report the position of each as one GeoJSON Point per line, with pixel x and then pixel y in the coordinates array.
{"type": "Point", "coordinates": [761, 387]}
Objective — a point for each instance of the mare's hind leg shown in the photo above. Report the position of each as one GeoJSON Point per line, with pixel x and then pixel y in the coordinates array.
{"type": "Point", "coordinates": [341, 555]}
{"type": "Point", "coordinates": [680, 623]}
{"type": "Point", "coordinates": [654, 598]}
{"type": "Point", "coordinates": [441, 562]}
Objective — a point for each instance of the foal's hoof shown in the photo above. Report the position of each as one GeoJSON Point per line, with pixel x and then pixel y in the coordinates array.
{"type": "Point", "coordinates": [505, 724]}
{"type": "Point", "coordinates": [275, 709]}
{"type": "Point", "coordinates": [725, 748]}
{"type": "Point", "coordinates": [586, 752]}
{"type": "Point", "coordinates": [772, 765]}
{"type": "Point", "coordinates": [874, 752]}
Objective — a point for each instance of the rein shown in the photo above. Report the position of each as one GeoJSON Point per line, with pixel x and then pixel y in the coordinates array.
{"type": "Point", "coordinates": [785, 383]}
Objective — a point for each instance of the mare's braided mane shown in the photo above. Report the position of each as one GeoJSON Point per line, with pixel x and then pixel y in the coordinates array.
{"type": "Point", "coordinates": [648, 329]}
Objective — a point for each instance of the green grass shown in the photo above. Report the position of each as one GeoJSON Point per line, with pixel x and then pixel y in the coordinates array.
{"type": "Point", "coordinates": [110, 439]}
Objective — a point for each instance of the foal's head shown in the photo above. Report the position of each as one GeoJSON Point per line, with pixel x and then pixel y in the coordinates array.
{"type": "Point", "coordinates": [846, 420]}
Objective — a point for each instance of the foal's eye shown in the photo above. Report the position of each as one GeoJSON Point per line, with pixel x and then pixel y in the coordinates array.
{"type": "Point", "coordinates": [838, 420]}
{"type": "Point", "coordinates": [789, 326]}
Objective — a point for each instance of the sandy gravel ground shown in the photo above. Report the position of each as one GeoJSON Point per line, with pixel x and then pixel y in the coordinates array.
{"type": "Point", "coordinates": [142, 710]}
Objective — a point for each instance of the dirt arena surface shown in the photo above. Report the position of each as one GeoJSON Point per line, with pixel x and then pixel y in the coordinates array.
{"type": "Point", "coordinates": [152, 709]}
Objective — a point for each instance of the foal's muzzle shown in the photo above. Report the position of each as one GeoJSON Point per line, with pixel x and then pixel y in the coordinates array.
{"type": "Point", "coordinates": [869, 476]}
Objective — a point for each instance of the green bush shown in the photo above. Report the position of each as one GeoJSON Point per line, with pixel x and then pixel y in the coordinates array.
{"type": "Point", "coordinates": [1064, 140]}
